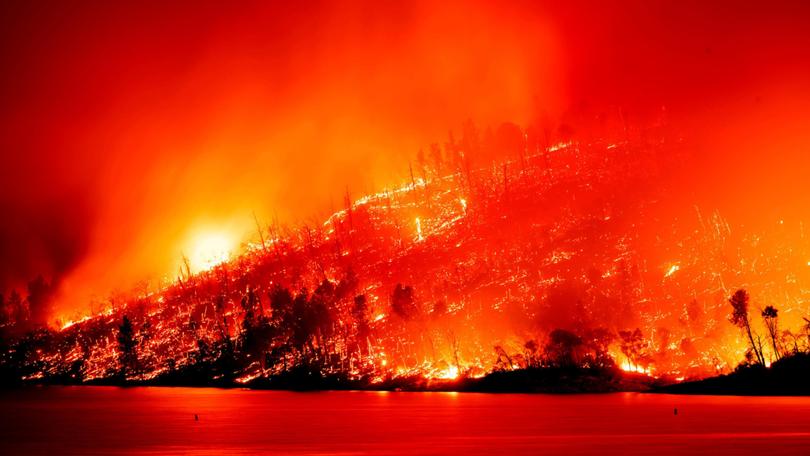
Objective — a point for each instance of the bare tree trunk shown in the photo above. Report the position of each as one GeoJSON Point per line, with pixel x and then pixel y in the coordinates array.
{"type": "Point", "coordinates": [772, 329]}
{"type": "Point", "coordinates": [757, 351]}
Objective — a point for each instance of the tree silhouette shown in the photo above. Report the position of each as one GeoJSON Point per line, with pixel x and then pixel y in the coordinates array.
{"type": "Point", "coordinates": [530, 350]}
{"type": "Point", "coordinates": [321, 316]}
{"type": "Point", "coordinates": [281, 308]}
{"type": "Point", "coordinates": [633, 346]}
{"type": "Point", "coordinates": [256, 330]}
{"type": "Point", "coordinates": [436, 158]}
{"type": "Point", "coordinates": [771, 318]}
{"type": "Point", "coordinates": [402, 302]}
{"type": "Point", "coordinates": [360, 316]}
{"type": "Point", "coordinates": [17, 308]}
{"type": "Point", "coordinates": [302, 323]}
{"type": "Point", "coordinates": [127, 357]}
{"type": "Point", "coordinates": [596, 342]}
{"type": "Point", "coordinates": [504, 361]}
{"type": "Point", "coordinates": [39, 297]}
{"type": "Point", "coordinates": [806, 331]}
{"type": "Point", "coordinates": [739, 303]}
{"type": "Point", "coordinates": [563, 348]}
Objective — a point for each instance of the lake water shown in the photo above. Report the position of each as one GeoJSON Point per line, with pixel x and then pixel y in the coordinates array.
{"type": "Point", "coordinates": [108, 420]}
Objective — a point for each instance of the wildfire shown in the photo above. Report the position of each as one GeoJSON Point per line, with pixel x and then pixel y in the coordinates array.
{"type": "Point", "coordinates": [354, 298]}
{"type": "Point", "coordinates": [451, 373]}
{"type": "Point", "coordinates": [209, 249]}
{"type": "Point", "coordinates": [70, 323]}
{"type": "Point", "coordinates": [627, 367]}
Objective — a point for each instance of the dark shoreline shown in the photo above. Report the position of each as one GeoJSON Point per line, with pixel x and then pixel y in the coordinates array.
{"type": "Point", "coordinates": [533, 380]}
{"type": "Point", "coordinates": [790, 376]}
{"type": "Point", "coordinates": [787, 377]}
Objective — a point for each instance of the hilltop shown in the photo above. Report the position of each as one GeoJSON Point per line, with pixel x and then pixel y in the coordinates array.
{"type": "Point", "coordinates": [481, 264]}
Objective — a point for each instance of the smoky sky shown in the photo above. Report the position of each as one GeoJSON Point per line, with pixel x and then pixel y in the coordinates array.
{"type": "Point", "coordinates": [123, 126]}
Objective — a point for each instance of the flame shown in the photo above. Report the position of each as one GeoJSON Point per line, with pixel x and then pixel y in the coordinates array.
{"type": "Point", "coordinates": [451, 373]}
{"type": "Point", "coordinates": [627, 367]}
{"type": "Point", "coordinates": [70, 323]}
{"type": "Point", "coordinates": [209, 249]}
{"type": "Point", "coordinates": [455, 305]}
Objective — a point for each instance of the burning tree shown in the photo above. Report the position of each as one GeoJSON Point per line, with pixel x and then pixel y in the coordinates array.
{"type": "Point", "coordinates": [596, 342]}
{"type": "Point", "coordinates": [634, 347]}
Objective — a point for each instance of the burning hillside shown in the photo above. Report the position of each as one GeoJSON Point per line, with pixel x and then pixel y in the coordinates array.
{"type": "Point", "coordinates": [549, 255]}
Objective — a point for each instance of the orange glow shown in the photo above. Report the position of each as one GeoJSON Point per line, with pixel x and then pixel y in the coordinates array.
{"type": "Point", "coordinates": [217, 113]}
{"type": "Point", "coordinates": [627, 367]}
{"type": "Point", "coordinates": [208, 249]}
{"type": "Point", "coordinates": [479, 174]}
{"type": "Point", "coordinates": [451, 373]}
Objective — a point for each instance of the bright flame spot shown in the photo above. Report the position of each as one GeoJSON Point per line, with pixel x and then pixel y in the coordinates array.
{"type": "Point", "coordinates": [672, 270]}
{"type": "Point", "coordinates": [451, 373]}
{"type": "Point", "coordinates": [70, 323]}
{"type": "Point", "coordinates": [627, 367]}
{"type": "Point", "coordinates": [248, 378]}
{"type": "Point", "coordinates": [379, 317]}
{"type": "Point", "coordinates": [209, 249]}
{"type": "Point", "coordinates": [418, 229]}
{"type": "Point", "coordinates": [463, 204]}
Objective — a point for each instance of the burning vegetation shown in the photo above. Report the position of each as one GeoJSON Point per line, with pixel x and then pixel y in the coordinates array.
{"type": "Point", "coordinates": [507, 250]}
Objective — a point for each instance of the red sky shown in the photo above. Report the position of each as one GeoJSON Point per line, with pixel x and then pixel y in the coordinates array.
{"type": "Point", "coordinates": [125, 129]}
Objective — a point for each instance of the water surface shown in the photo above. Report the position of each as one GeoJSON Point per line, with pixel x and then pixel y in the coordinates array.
{"type": "Point", "coordinates": [139, 421]}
